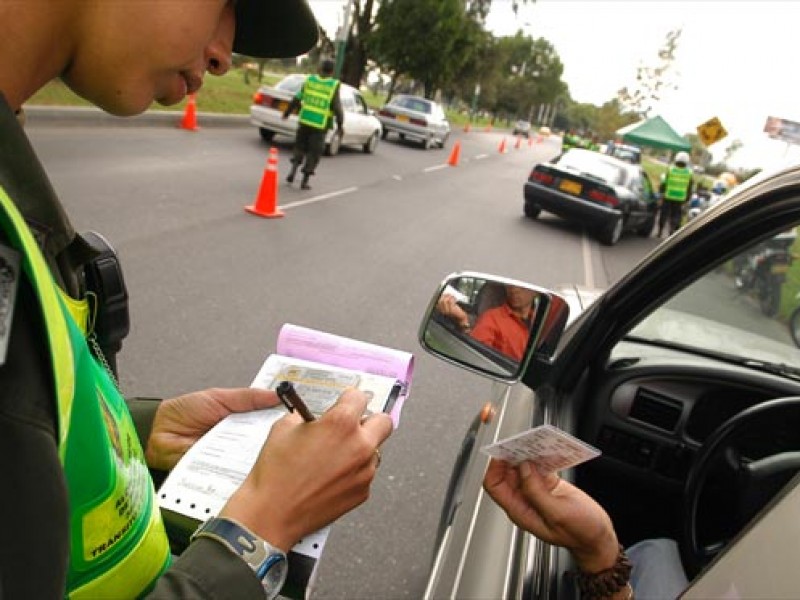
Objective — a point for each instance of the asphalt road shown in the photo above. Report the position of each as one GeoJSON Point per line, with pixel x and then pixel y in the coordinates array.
{"type": "Point", "coordinates": [358, 255]}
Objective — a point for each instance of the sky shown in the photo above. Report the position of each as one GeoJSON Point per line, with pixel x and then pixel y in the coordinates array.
{"type": "Point", "coordinates": [734, 60]}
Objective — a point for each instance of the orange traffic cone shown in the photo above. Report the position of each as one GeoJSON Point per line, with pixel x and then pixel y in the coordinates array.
{"type": "Point", "coordinates": [518, 143]}
{"type": "Point", "coordinates": [455, 154]}
{"type": "Point", "coordinates": [530, 142]}
{"type": "Point", "coordinates": [189, 120]}
{"type": "Point", "coordinates": [266, 201]}
{"type": "Point", "coordinates": [467, 128]}
{"type": "Point", "coordinates": [502, 147]}
{"type": "Point", "coordinates": [488, 128]}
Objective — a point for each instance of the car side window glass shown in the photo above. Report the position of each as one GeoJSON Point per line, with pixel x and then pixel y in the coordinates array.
{"type": "Point", "coordinates": [346, 97]}
{"type": "Point", "coordinates": [361, 106]}
{"type": "Point", "coordinates": [746, 307]}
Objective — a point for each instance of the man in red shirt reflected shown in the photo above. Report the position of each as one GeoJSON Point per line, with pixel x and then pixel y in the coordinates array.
{"type": "Point", "coordinates": [505, 328]}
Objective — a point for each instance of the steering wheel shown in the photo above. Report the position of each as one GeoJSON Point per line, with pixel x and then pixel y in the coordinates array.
{"type": "Point", "coordinates": [756, 481]}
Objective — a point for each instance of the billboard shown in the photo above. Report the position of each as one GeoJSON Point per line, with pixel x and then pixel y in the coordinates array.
{"type": "Point", "coordinates": [783, 129]}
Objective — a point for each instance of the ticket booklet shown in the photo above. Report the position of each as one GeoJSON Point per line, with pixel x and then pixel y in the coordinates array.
{"type": "Point", "coordinates": [320, 366]}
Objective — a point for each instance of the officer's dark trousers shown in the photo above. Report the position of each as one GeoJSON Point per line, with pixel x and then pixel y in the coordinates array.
{"type": "Point", "coordinates": [670, 217]}
{"type": "Point", "coordinates": [309, 144]}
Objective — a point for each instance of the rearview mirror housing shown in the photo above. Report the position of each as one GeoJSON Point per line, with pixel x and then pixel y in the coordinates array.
{"type": "Point", "coordinates": [492, 325]}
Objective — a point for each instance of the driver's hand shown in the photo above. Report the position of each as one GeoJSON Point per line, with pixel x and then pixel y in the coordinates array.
{"type": "Point", "coordinates": [448, 306]}
{"type": "Point", "coordinates": [555, 511]}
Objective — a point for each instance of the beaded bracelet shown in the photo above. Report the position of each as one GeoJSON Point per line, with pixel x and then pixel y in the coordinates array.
{"type": "Point", "coordinates": [596, 586]}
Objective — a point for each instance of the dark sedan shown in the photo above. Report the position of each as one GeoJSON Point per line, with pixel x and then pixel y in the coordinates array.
{"type": "Point", "coordinates": [604, 193]}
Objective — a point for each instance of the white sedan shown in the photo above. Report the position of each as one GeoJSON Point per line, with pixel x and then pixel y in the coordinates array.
{"type": "Point", "coordinates": [361, 128]}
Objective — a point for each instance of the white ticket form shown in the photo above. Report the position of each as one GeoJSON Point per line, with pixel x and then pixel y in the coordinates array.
{"type": "Point", "coordinates": [548, 447]}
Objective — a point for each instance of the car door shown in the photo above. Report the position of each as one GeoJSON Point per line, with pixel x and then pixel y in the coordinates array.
{"type": "Point", "coordinates": [643, 202]}
{"type": "Point", "coordinates": [362, 116]}
{"type": "Point", "coordinates": [478, 553]}
{"type": "Point", "coordinates": [350, 114]}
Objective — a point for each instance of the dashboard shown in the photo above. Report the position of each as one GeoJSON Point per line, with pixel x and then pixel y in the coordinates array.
{"type": "Point", "coordinates": [650, 414]}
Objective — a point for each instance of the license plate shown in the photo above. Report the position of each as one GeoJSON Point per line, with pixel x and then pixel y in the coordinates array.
{"type": "Point", "coordinates": [779, 268]}
{"type": "Point", "coordinates": [402, 118]}
{"type": "Point", "coordinates": [282, 105]}
{"type": "Point", "coordinates": [571, 187]}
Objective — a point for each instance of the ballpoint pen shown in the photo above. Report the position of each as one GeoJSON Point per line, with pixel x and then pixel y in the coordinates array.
{"type": "Point", "coordinates": [291, 399]}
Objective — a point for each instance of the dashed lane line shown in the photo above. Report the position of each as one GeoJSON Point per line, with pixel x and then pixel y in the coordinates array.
{"type": "Point", "coordinates": [319, 198]}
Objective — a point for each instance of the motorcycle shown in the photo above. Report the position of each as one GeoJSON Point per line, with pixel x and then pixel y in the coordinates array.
{"type": "Point", "coordinates": [699, 202]}
{"type": "Point", "coordinates": [763, 271]}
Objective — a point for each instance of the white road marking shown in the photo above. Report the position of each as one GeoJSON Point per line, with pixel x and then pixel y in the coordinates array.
{"type": "Point", "coordinates": [481, 156]}
{"type": "Point", "coordinates": [435, 168]}
{"type": "Point", "coordinates": [319, 198]}
{"type": "Point", "coordinates": [588, 273]}
{"type": "Point", "coordinates": [397, 178]}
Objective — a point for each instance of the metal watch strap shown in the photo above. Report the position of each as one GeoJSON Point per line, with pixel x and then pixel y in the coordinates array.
{"type": "Point", "coordinates": [268, 562]}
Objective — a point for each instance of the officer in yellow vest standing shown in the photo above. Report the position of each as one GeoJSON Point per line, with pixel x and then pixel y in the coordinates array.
{"type": "Point", "coordinates": [676, 189]}
{"type": "Point", "coordinates": [318, 101]}
{"type": "Point", "coordinates": [77, 460]}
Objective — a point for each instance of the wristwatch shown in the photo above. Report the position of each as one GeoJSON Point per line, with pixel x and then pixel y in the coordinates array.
{"type": "Point", "coordinates": [268, 562]}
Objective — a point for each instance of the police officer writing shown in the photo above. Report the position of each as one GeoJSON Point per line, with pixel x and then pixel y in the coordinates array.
{"type": "Point", "coordinates": [676, 189]}
{"type": "Point", "coordinates": [81, 517]}
{"type": "Point", "coordinates": [318, 101]}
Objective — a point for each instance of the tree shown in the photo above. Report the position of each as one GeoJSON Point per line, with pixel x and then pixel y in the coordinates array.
{"type": "Point", "coordinates": [732, 149]}
{"type": "Point", "coordinates": [427, 40]}
{"type": "Point", "coordinates": [652, 82]}
{"type": "Point", "coordinates": [361, 26]}
{"type": "Point", "coordinates": [516, 74]}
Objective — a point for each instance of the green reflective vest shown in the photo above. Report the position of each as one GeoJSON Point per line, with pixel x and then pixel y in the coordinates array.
{"type": "Point", "coordinates": [678, 181]}
{"type": "Point", "coordinates": [316, 97]}
{"type": "Point", "coordinates": [118, 545]}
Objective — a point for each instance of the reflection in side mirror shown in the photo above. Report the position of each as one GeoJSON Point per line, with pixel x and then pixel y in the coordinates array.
{"type": "Point", "coordinates": [492, 325]}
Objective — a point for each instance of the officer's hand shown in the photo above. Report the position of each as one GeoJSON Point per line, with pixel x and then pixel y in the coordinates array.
{"type": "Point", "coordinates": [181, 421]}
{"type": "Point", "coordinates": [309, 474]}
{"type": "Point", "coordinates": [555, 511]}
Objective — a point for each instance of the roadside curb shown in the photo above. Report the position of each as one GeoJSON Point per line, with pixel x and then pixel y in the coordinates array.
{"type": "Point", "coordinates": [76, 116]}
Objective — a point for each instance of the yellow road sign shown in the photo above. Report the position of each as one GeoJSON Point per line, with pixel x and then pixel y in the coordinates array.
{"type": "Point", "coordinates": [711, 131]}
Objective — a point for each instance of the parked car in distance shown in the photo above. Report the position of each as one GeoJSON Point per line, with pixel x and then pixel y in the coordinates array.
{"type": "Point", "coordinates": [361, 127]}
{"type": "Point", "coordinates": [690, 392]}
{"type": "Point", "coordinates": [522, 128]}
{"type": "Point", "coordinates": [417, 119]}
{"type": "Point", "coordinates": [604, 193]}
{"type": "Point", "coordinates": [631, 154]}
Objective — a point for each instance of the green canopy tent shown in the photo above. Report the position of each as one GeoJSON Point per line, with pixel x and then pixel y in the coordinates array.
{"type": "Point", "coordinates": [654, 133]}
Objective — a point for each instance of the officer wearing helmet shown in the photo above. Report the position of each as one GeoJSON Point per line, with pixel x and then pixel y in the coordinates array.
{"type": "Point", "coordinates": [318, 101]}
{"type": "Point", "coordinates": [676, 189]}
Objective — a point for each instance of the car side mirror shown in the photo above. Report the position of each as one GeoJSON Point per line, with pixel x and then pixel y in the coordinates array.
{"type": "Point", "coordinates": [492, 325]}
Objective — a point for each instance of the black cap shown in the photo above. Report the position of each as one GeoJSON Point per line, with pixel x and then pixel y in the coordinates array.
{"type": "Point", "coordinates": [274, 28]}
{"type": "Point", "coordinates": [327, 66]}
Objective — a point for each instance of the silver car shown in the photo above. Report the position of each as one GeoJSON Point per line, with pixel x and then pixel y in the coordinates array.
{"type": "Point", "coordinates": [417, 119]}
{"type": "Point", "coordinates": [690, 392]}
{"type": "Point", "coordinates": [361, 128]}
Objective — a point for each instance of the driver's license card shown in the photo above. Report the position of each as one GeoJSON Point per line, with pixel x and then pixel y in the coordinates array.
{"type": "Point", "coordinates": [320, 388]}
{"type": "Point", "coordinates": [548, 447]}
